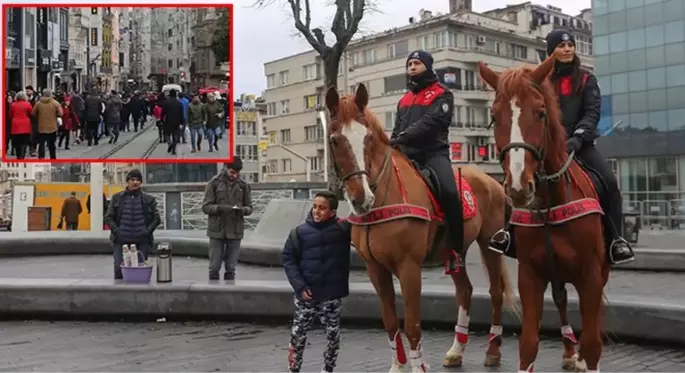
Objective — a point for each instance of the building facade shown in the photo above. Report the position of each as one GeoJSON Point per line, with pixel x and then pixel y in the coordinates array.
{"type": "Point", "coordinates": [640, 64]}
{"type": "Point", "coordinates": [458, 41]}
{"type": "Point", "coordinates": [205, 70]}
{"type": "Point", "coordinates": [247, 120]}
{"type": "Point", "coordinates": [141, 48]}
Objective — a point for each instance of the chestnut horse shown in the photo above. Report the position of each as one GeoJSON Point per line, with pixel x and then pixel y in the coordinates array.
{"type": "Point", "coordinates": [557, 218]}
{"type": "Point", "coordinates": [396, 221]}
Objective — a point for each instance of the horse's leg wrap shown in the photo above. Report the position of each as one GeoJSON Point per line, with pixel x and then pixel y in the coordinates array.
{"type": "Point", "coordinates": [399, 356]}
{"type": "Point", "coordinates": [416, 360]}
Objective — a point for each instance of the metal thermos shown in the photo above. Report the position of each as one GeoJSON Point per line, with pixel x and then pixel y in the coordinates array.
{"type": "Point", "coordinates": [164, 262]}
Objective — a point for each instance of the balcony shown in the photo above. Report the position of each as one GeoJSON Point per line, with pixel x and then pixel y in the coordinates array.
{"type": "Point", "coordinates": [475, 93]}
{"type": "Point", "coordinates": [472, 129]}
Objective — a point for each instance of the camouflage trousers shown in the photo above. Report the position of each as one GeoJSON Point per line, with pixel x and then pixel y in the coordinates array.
{"type": "Point", "coordinates": [305, 313]}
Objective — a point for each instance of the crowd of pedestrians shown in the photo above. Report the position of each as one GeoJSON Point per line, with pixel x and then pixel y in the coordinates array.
{"type": "Point", "coordinates": [36, 127]}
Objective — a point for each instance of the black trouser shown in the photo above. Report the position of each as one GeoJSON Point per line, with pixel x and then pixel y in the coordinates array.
{"type": "Point", "coordinates": [610, 199]}
{"type": "Point", "coordinates": [449, 197]}
{"type": "Point", "coordinates": [7, 138]}
{"type": "Point", "coordinates": [92, 128]}
{"type": "Point", "coordinates": [64, 136]}
{"type": "Point", "coordinates": [136, 121]}
{"type": "Point", "coordinates": [50, 139]}
{"type": "Point", "coordinates": [172, 137]}
{"type": "Point", "coordinates": [20, 143]}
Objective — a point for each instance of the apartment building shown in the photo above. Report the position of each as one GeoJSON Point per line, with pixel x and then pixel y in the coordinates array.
{"type": "Point", "coordinates": [206, 70]}
{"type": "Point", "coordinates": [458, 41]}
{"type": "Point", "coordinates": [171, 46]}
{"type": "Point", "coordinates": [247, 120]}
{"type": "Point", "coordinates": [13, 172]}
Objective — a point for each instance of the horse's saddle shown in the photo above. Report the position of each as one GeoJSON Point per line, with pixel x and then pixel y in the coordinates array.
{"type": "Point", "coordinates": [596, 179]}
{"type": "Point", "coordinates": [430, 177]}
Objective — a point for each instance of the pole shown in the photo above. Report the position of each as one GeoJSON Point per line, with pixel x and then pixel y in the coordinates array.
{"type": "Point", "coordinates": [88, 62]}
{"type": "Point", "coordinates": [22, 49]}
{"type": "Point", "coordinates": [96, 190]}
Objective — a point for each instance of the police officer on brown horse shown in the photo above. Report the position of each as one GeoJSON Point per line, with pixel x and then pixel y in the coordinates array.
{"type": "Point", "coordinates": [421, 132]}
{"type": "Point", "coordinates": [579, 101]}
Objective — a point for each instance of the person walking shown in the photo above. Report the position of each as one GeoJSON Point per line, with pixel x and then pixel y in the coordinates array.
{"type": "Point", "coordinates": [114, 107]}
{"type": "Point", "coordinates": [71, 209]}
{"type": "Point", "coordinates": [316, 260]}
{"type": "Point", "coordinates": [8, 122]}
{"type": "Point", "coordinates": [46, 111]}
{"type": "Point", "coordinates": [20, 114]}
{"type": "Point", "coordinates": [215, 114]}
{"type": "Point", "coordinates": [174, 121]}
{"type": "Point", "coordinates": [197, 117]}
{"type": "Point", "coordinates": [227, 201]}
{"type": "Point", "coordinates": [132, 217]}
{"type": "Point", "coordinates": [70, 123]}
{"type": "Point", "coordinates": [92, 111]}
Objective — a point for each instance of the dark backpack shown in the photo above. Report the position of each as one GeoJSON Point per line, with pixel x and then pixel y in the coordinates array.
{"type": "Point", "coordinates": [295, 238]}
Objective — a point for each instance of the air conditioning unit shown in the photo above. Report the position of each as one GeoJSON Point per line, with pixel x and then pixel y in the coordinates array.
{"type": "Point", "coordinates": [481, 40]}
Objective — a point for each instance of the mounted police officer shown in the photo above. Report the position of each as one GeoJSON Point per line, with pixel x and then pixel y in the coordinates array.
{"type": "Point", "coordinates": [579, 101]}
{"type": "Point", "coordinates": [421, 132]}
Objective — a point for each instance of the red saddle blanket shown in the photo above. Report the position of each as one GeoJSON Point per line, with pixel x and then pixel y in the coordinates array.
{"type": "Point", "coordinates": [468, 200]}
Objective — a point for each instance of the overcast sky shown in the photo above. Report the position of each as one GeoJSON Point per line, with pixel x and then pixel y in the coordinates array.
{"type": "Point", "coordinates": [266, 34]}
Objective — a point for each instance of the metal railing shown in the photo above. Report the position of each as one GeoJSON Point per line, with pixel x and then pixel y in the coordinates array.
{"type": "Point", "coordinates": [657, 211]}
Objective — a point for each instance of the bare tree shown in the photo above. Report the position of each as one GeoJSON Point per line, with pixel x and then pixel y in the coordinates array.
{"type": "Point", "coordinates": [345, 24]}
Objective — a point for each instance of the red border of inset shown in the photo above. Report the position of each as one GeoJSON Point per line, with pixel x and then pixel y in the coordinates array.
{"type": "Point", "coordinates": [231, 96]}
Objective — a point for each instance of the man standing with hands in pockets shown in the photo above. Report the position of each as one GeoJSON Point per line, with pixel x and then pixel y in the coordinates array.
{"type": "Point", "coordinates": [228, 199]}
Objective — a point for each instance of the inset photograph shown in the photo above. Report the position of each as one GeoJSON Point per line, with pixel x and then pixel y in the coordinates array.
{"type": "Point", "coordinates": [141, 83]}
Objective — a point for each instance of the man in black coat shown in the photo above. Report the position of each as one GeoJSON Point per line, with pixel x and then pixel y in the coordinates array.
{"type": "Point", "coordinates": [174, 120]}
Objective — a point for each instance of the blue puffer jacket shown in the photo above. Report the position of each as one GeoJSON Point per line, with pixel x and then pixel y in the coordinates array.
{"type": "Point", "coordinates": [324, 263]}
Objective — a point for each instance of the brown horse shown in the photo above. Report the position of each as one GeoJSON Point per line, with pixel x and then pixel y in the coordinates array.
{"type": "Point", "coordinates": [397, 227]}
{"type": "Point", "coordinates": [557, 218]}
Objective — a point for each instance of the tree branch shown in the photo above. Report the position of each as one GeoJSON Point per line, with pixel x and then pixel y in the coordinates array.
{"type": "Point", "coordinates": [353, 23]}
{"type": "Point", "coordinates": [302, 28]}
{"type": "Point", "coordinates": [338, 24]}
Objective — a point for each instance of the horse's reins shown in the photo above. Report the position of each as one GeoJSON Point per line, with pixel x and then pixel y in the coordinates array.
{"type": "Point", "coordinates": [541, 177]}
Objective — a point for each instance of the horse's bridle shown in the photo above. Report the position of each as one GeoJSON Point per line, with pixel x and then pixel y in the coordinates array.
{"type": "Point", "coordinates": [358, 173]}
{"type": "Point", "coordinates": [538, 153]}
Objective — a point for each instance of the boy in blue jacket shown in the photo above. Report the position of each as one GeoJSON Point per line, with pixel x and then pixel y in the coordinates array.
{"type": "Point", "coordinates": [316, 259]}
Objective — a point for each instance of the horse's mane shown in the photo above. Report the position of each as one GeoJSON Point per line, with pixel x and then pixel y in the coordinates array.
{"type": "Point", "coordinates": [516, 82]}
{"type": "Point", "coordinates": [347, 112]}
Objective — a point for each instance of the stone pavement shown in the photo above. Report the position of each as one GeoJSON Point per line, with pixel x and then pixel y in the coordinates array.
{"type": "Point", "coordinates": [646, 286]}
{"type": "Point", "coordinates": [183, 151]}
{"type": "Point", "coordinates": [240, 347]}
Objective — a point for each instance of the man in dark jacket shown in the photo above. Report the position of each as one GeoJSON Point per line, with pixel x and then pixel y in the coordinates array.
{"type": "Point", "coordinates": [137, 107]}
{"type": "Point", "coordinates": [421, 132]}
{"type": "Point", "coordinates": [174, 121]}
{"type": "Point", "coordinates": [132, 217]}
{"type": "Point", "coordinates": [316, 260]}
{"type": "Point", "coordinates": [227, 201]}
{"type": "Point", "coordinates": [91, 113]}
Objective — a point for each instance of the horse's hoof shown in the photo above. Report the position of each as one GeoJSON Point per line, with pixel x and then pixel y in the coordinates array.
{"type": "Point", "coordinates": [396, 368]}
{"type": "Point", "coordinates": [569, 363]}
{"type": "Point", "coordinates": [452, 361]}
{"type": "Point", "coordinates": [580, 366]}
{"type": "Point", "coordinates": [492, 360]}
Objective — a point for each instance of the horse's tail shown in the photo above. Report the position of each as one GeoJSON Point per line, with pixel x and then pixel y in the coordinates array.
{"type": "Point", "coordinates": [510, 302]}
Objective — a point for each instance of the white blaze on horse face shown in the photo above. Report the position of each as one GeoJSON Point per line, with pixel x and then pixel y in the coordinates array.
{"type": "Point", "coordinates": [355, 134]}
{"type": "Point", "coordinates": [517, 157]}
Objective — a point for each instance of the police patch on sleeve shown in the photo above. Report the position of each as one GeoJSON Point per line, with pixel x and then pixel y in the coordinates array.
{"type": "Point", "coordinates": [445, 107]}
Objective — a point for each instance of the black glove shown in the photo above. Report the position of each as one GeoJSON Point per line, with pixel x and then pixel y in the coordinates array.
{"type": "Point", "coordinates": [574, 144]}
{"type": "Point", "coordinates": [401, 139]}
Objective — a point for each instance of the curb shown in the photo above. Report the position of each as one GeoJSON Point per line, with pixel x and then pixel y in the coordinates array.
{"type": "Point", "coordinates": [266, 253]}
{"type": "Point", "coordinates": [52, 298]}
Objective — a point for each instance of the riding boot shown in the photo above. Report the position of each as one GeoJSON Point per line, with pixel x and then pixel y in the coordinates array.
{"type": "Point", "coordinates": [454, 215]}
{"type": "Point", "coordinates": [619, 250]}
{"type": "Point", "coordinates": [501, 240]}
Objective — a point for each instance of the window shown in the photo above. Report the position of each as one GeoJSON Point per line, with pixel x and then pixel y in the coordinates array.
{"type": "Point", "coordinates": [273, 138]}
{"type": "Point", "coordinates": [395, 83]}
{"type": "Point", "coordinates": [311, 102]}
{"type": "Point", "coordinates": [285, 107]}
{"type": "Point", "coordinates": [314, 163]}
{"type": "Point", "coordinates": [425, 42]}
{"type": "Point", "coordinates": [170, 64]}
{"type": "Point", "coordinates": [170, 32]}
{"type": "Point", "coordinates": [455, 151]}
{"type": "Point", "coordinates": [369, 56]}
{"type": "Point", "coordinates": [170, 47]}
{"type": "Point", "coordinates": [313, 133]}
{"type": "Point", "coordinates": [247, 129]}
{"type": "Point", "coordinates": [309, 72]}
{"type": "Point", "coordinates": [584, 45]}
{"type": "Point", "coordinates": [390, 117]}
{"type": "Point", "coordinates": [270, 80]}
{"type": "Point", "coordinates": [285, 136]}
{"type": "Point", "coordinates": [617, 42]}
{"type": "Point", "coordinates": [654, 35]}
{"type": "Point", "coordinates": [519, 51]}
{"type": "Point", "coordinates": [398, 49]}
{"type": "Point", "coordinates": [271, 108]}
{"type": "Point", "coordinates": [469, 80]}
{"type": "Point", "coordinates": [272, 166]}
{"type": "Point", "coordinates": [283, 77]}
{"type": "Point", "coordinates": [247, 152]}
{"type": "Point", "coordinates": [440, 39]}
{"type": "Point", "coordinates": [286, 165]}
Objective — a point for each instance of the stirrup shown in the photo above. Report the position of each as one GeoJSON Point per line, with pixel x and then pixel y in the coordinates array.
{"type": "Point", "coordinates": [620, 240]}
{"type": "Point", "coordinates": [506, 240]}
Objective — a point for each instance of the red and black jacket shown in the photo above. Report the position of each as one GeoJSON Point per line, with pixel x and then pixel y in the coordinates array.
{"type": "Point", "coordinates": [580, 112]}
{"type": "Point", "coordinates": [423, 120]}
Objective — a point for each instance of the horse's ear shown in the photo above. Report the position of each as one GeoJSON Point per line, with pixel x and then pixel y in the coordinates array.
{"type": "Point", "coordinates": [332, 99]}
{"type": "Point", "coordinates": [361, 97]}
{"type": "Point", "coordinates": [489, 76]}
{"type": "Point", "coordinates": [543, 70]}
